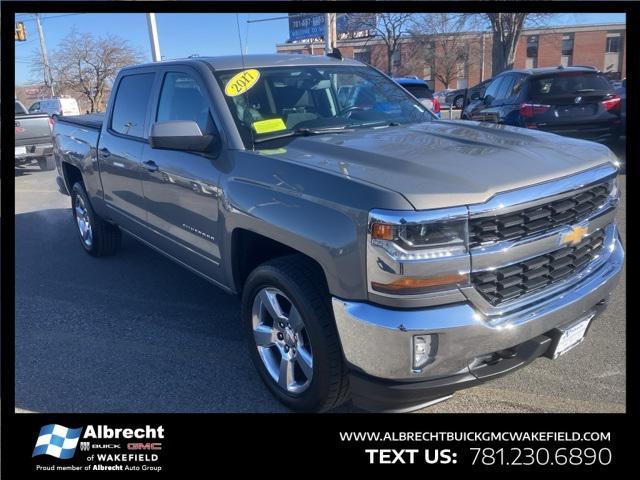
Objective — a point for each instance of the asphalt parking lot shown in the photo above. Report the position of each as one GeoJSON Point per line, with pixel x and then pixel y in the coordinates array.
{"type": "Point", "coordinates": [137, 333]}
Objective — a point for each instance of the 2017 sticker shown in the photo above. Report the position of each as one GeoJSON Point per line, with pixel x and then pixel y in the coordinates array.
{"type": "Point", "coordinates": [241, 82]}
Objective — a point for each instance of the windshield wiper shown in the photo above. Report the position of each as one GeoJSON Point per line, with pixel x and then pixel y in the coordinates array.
{"type": "Point", "coordinates": [378, 123]}
{"type": "Point", "coordinates": [302, 132]}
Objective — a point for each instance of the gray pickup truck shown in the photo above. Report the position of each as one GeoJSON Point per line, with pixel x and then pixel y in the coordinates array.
{"type": "Point", "coordinates": [381, 254]}
{"type": "Point", "coordinates": [33, 138]}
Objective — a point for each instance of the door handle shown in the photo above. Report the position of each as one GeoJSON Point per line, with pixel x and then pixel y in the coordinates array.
{"type": "Point", "coordinates": [151, 166]}
{"type": "Point", "coordinates": [104, 152]}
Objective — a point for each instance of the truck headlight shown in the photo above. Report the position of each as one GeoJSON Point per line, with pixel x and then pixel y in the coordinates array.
{"type": "Point", "coordinates": [423, 251]}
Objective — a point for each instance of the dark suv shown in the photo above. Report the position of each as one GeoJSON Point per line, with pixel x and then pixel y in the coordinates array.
{"type": "Point", "coordinates": [572, 101]}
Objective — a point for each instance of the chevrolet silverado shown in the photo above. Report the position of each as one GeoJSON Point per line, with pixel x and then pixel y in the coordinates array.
{"type": "Point", "coordinates": [381, 255]}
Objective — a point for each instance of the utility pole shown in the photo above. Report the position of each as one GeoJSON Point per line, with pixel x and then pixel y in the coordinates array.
{"type": "Point", "coordinates": [153, 37]}
{"type": "Point", "coordinates": [48, 78]}
{"type": "Point", "coordinates": [330, 35]}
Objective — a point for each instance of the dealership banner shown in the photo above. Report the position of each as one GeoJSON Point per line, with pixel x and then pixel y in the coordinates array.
{"type": "Point", "coordinates": [312, 25]}
{"type": "Point", "coordinates": [46, 444]}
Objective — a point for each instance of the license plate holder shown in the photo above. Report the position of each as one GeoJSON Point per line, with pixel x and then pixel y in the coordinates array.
{"type": "Point", "coordinates": [570, 335]}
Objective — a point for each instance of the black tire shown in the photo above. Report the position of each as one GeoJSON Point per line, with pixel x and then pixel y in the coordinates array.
{"type": "Point", "coordinates": [458, 102]}
{"type": "Point", "coordinates": [106, 237]}
{"type": "Point", "coordinates": [47, 163]}
{"type": "Point", "coordinates": [302, 282]}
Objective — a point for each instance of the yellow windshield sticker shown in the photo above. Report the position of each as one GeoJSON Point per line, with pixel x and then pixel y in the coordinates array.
{"type": "Point", "coordinates": [241, 82]}
{"type": "Point", "coordinates": [272, 151]}
{"type": "Point", "coordinates": [268, 126]}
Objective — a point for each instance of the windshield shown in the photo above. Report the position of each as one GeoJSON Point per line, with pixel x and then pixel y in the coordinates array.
{"type": "Point", "coordinates": [267, 100]}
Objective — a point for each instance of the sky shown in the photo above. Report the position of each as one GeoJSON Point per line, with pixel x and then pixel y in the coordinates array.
{"type": "Point", "coordinates": [184, 34]}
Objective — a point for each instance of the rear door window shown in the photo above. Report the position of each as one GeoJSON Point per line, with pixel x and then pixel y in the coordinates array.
{"type": "Point", "coordinates": [131, 103]}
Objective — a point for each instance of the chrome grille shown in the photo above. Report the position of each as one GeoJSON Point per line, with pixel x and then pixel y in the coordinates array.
{"type": "Point", "coordinates": [518, 279]}
{"type": "Point", "coordinates": [516, 225]}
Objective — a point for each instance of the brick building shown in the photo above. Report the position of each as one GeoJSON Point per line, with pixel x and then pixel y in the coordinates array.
{"type": "Point", "coordinates": [602, 46]}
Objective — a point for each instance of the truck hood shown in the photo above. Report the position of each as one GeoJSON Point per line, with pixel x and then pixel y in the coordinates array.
{"type": "Point", "coordinates": [443, 163]}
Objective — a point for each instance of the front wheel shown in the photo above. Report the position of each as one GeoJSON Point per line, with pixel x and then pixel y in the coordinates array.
{"type": "Point", "coordinates": [458, 102]}
{"type": "Point", "coordinates": [292, 337]}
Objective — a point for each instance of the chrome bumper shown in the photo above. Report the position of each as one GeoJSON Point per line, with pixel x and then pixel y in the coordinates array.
{"type": "Point", "coordinates": [378, 341]}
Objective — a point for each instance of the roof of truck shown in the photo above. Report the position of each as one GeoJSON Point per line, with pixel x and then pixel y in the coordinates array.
{"type": "Point", "coordinates": [232, 62]}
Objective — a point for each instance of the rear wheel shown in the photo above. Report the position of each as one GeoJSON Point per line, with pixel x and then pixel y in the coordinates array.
{"type": "Point", "coordinates": [47, 163]}
{"type": "Point", "coordinates": [98, 238]}
{"type": "Point", "coordinates": [293, 340]}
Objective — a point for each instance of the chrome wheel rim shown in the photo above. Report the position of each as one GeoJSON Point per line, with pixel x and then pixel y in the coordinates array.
{"type": "Point", "coordinates": [83, 221]}
{"type": "Point", "coordinates": [282, 340]}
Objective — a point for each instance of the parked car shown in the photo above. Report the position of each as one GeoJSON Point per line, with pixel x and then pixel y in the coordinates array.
{"type": "Point", "coordinates": [572, 101]}
{"type": "Point", "coordinates": [420, 89]}
{"type": "Point", "coordinates": [56, 106]}
{"type": "Point", "coordinates": [457, 99]}
{"type": "Point", "coordinates": [380, 255]}
{"type": "Point", "coordinates": [33, 138]}
{"type": "Point", "coordinates": [442, 97]}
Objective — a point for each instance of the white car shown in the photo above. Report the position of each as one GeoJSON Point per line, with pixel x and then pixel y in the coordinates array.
{"type": "Point", "coordinates": [56, 106]}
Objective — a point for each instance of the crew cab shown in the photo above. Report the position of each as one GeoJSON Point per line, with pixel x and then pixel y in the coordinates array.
{"type": "Point", "coordinates": [380, 255]}
{"type": "Point", "coordinates": [33, 138]}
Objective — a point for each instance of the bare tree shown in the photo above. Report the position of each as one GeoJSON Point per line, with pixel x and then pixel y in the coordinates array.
{"type": "Point", "coordinates": [449, 50]}
{"type": "Point", "coordinates": [88, 65]}
{"type": "Point", "coordinates": [506, 29]}
{"type": "Point", "coordinates": [390, 27]}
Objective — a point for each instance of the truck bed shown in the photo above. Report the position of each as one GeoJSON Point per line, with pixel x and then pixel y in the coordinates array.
{"type": "Point", "coordinates": [91, 120]}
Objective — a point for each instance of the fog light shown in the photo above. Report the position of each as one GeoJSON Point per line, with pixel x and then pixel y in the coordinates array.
{"type": "Point", "coordinates": [421, 351]}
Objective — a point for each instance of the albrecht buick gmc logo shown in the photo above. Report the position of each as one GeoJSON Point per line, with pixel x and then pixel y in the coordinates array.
{"type": "Point", "coordinates": [61, 442]}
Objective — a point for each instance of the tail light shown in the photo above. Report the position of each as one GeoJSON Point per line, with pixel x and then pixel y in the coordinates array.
{"type": "Point", "coordinates": [436, 105]}
{"type": "Point", "coordinates": [530, 109]}
{"type": "Point", "coordinates": [51, 122]}
{"type": "Point", "coordinates": [612, 103]}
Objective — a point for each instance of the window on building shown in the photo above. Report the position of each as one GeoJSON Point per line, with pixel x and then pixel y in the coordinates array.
{"type": "Point", "coordinates": [363, 56]}
{"type": "Point", "coordinates": [567, 45]}
{"type": "Point", "coordinates": [613, 44]}
{"type": "Point", "coordinates": [566, 57]}
{"type": "Point", "coordinates": [532, 46]}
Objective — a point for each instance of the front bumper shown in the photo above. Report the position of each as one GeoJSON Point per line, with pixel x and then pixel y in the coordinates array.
{"type": "Point", "coordinates": [377, 341]}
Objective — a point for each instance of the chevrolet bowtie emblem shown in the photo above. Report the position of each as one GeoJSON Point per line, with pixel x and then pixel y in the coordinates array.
{"type": "Point", "coordinates": [574, 237]}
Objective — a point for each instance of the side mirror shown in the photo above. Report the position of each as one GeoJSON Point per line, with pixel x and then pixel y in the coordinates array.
{"type": "Point", "coordinates": [182, 135]}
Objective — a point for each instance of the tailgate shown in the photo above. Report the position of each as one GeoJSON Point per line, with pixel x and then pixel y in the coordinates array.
{"type": "Point", "coordinates": [32, 129]}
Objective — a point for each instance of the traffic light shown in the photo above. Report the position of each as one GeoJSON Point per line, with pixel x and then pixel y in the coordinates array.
{"type": "Point", "coordinates": [21, 33]}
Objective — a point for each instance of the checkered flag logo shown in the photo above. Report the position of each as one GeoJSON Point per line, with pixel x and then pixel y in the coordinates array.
{"type": "Point", "coordinates": [57, 441]}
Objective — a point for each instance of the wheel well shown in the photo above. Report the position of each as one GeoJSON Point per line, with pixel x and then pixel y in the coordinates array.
{"type": "Point", "coordinates": [71, 174]}
{"type": "Point", "coordinates": [250, 249]}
